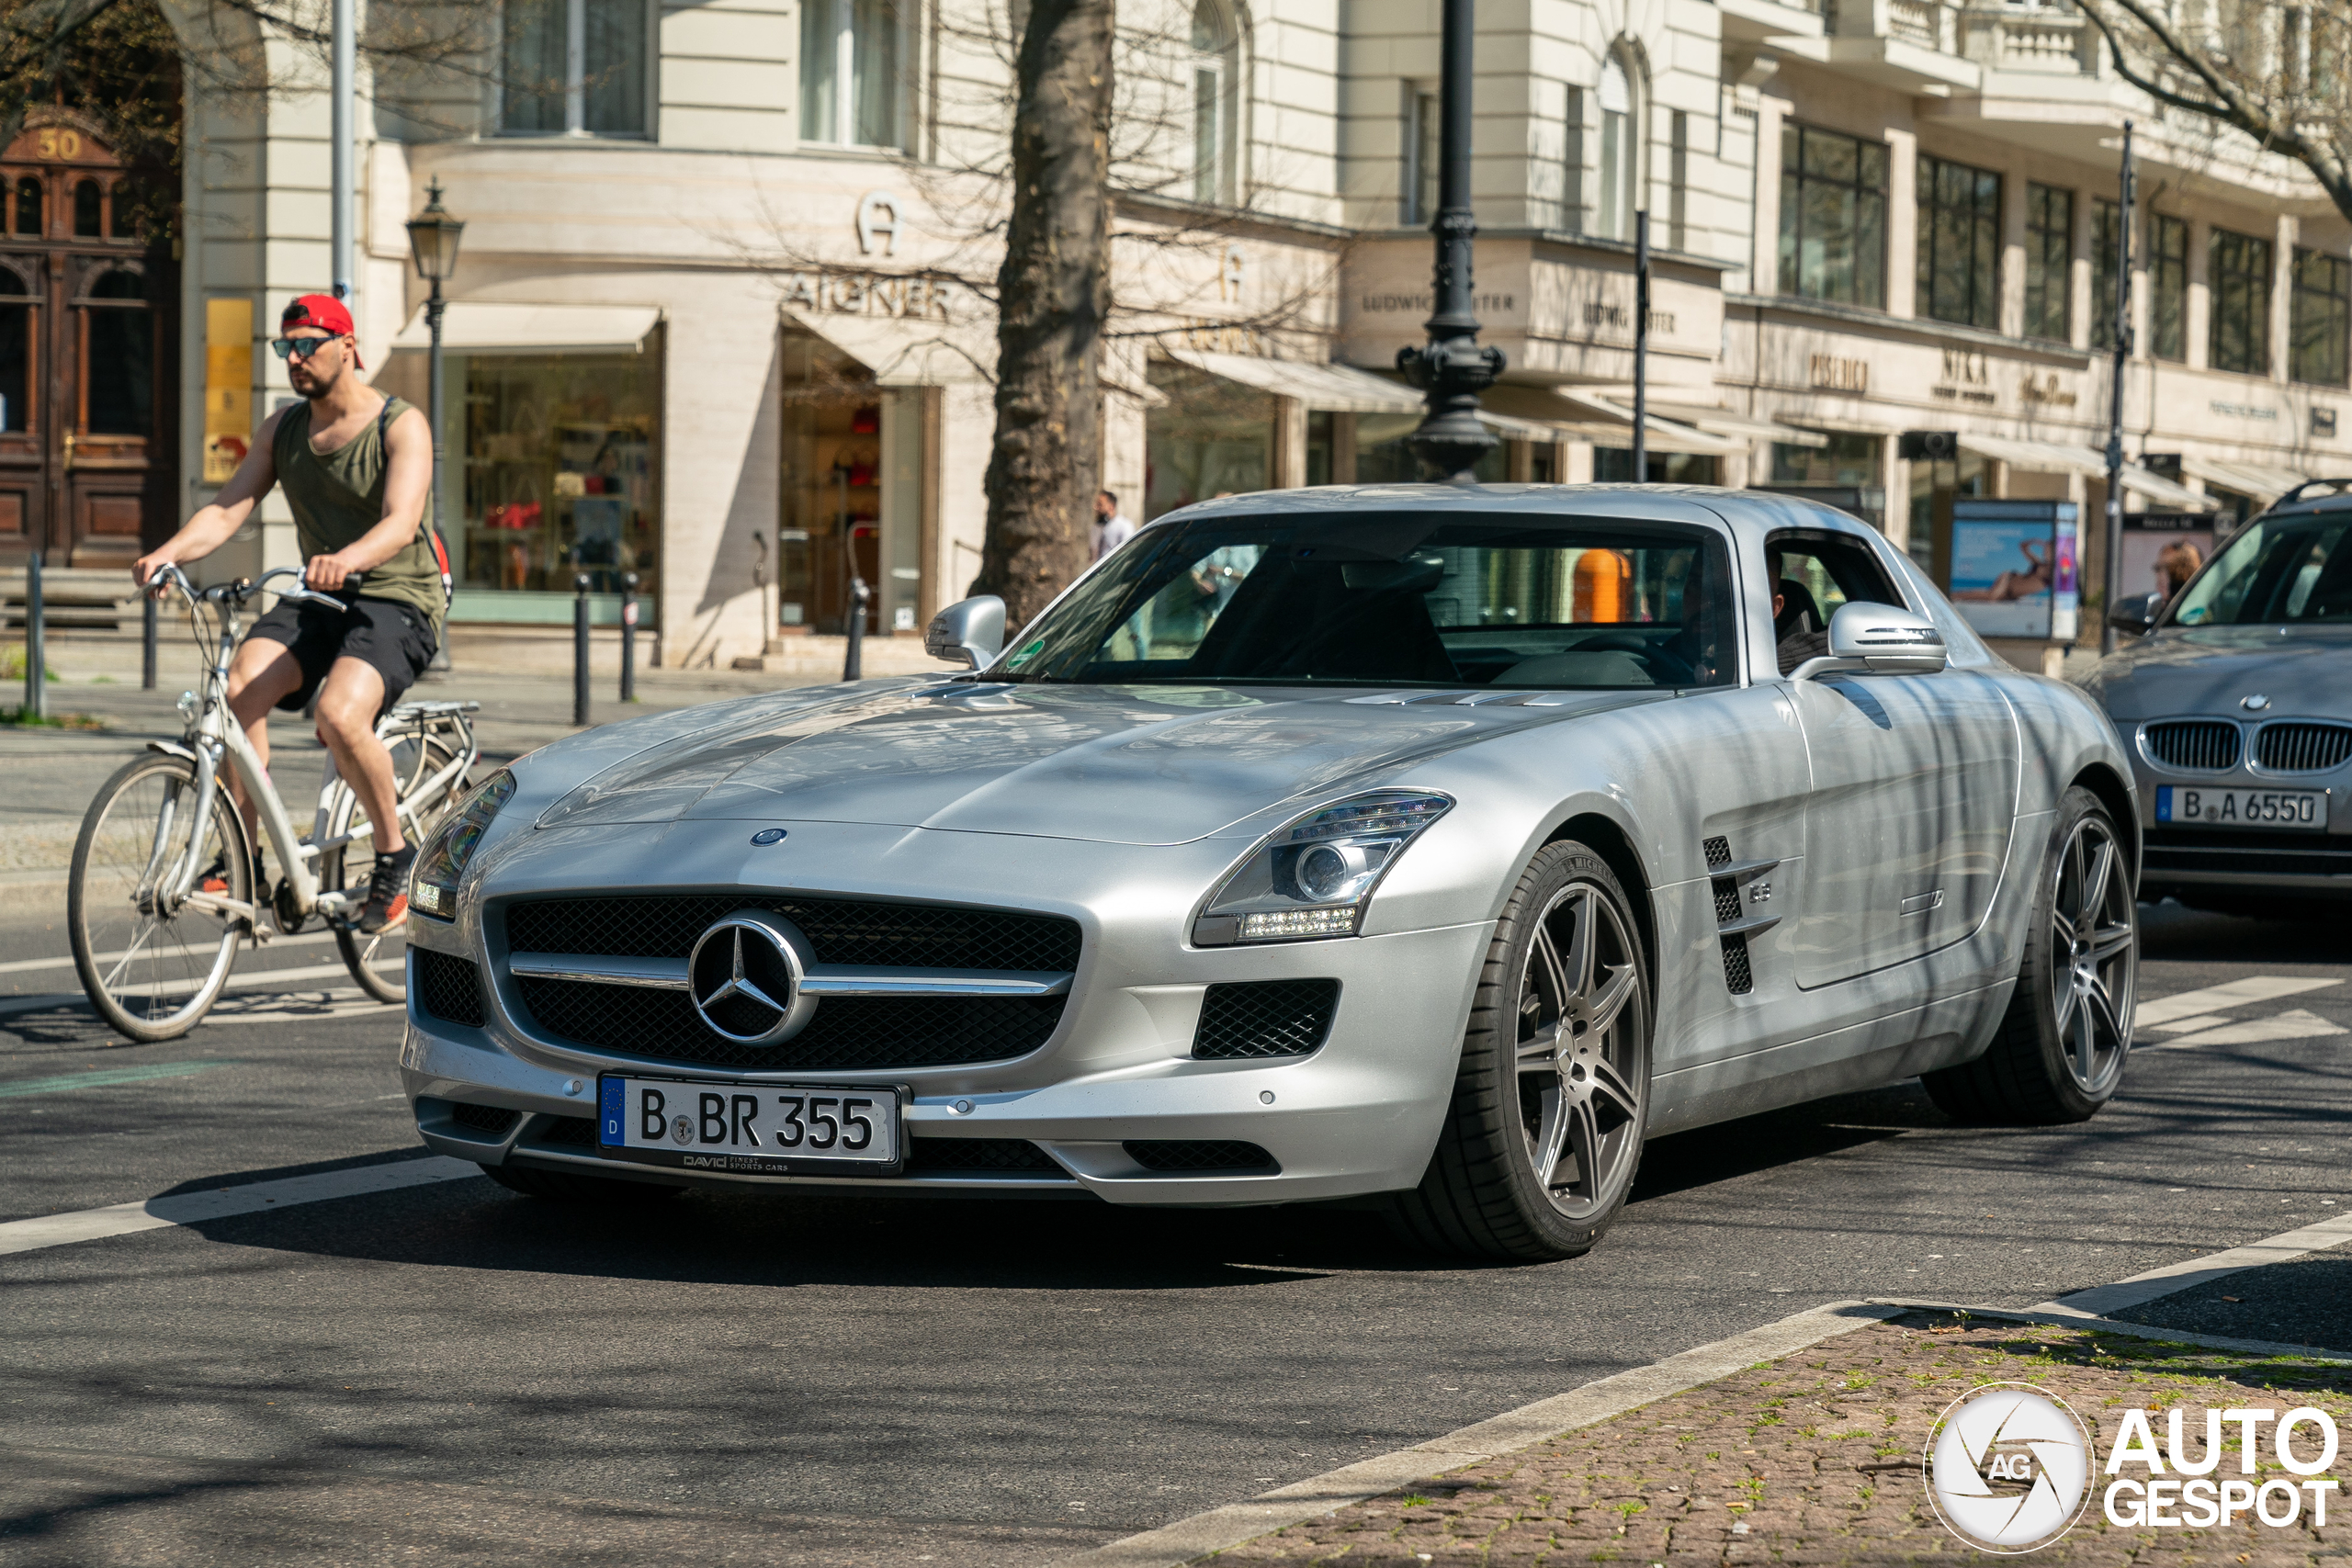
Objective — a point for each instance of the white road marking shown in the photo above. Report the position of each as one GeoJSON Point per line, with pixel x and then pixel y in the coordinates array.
{"type": "Point", "coordinates": [2190, 1025]}
{"type": "Point", "coordinates": [236, 983]}
{"type": "Point", "coordinates": [2236, 993]}
{"type": "Point", "coordinates": [2102, 1301]}
{"type": "Point", "coordinates": [1220, 1528]}
{"type": "Point", "coordinates": [2293, 1024]}
{"type": "Point", "coordinates": [21, 966]}
{"type": "Point", "coordinates": [192, 1208]}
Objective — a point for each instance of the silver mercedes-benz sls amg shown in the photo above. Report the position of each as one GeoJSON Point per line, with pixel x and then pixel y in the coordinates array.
{"type": "Point", "coordinates": [1422, 846]}
{"type": "Point", "coordinates": [2237, 702]}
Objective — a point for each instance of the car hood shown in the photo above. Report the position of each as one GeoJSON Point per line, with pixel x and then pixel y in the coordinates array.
{"type": "Point", "coordinates": [1134, 765]}
{"type": "Point", "coordinates": [2302, 670]}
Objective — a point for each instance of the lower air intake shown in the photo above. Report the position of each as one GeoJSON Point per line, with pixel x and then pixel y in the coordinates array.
{"type": "Point", "coordinates": [578, 1132]}
{"type": "Point", "coordinates": [1201, 1157]}
{"type": "Point", "coordinates": [939, 1157]}
{"type": "Point", "coordinates": [1259, 1019]}
{"type": "Point", "coordinates": [446, 988]}
{"type": "Point", "coordinates": [488, 1120]}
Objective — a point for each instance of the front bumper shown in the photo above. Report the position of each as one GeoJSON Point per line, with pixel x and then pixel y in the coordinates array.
{"type": "Point", "coordinates": [2232, 865]}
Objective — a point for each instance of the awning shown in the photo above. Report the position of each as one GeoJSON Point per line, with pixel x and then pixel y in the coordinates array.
{"type": "Point", "coordinates": [2258, 480]}
{"type": "Point", "coordinates": [908, 351]}
{"type": "Point", "coordinates": [1722, 422]}
{"type": "Point", "coordinates": [1616, 421]}
{"type": "Point", "coordinates": [2158, 489]}
{"type": "Point", "coordinates": [482, 326]}
{"type": "Point", "coordinates": [1329, 389]}
{"type": "Point", "coordinates": [2046, 457]}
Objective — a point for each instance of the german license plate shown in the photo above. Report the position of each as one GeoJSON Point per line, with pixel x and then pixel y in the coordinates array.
{"type": "Point", "coordinates": [745, 1128]}
{"type": "Point", "coordinates": [2182, 805]}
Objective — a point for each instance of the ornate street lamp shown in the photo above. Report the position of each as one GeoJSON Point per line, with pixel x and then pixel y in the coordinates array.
{"type": "Point", "coordinates": [1452, 370]}
{"type": "Point", "coordinates": [433, 243]}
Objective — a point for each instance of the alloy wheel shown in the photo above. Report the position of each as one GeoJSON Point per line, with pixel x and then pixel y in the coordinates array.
{"type": "Point", "coordinates": [1582, 1053]}
{"type": "Point", "coordinates": [2094, 935]}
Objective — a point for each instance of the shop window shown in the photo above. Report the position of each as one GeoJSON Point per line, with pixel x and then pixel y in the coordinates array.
{"type": "Point", "coordinates": [2168, 288]}
{"type": "Point", "coordinates": [849, 67]}
{"type": "Point", "coordinates": [1849, 461]}
{"type": "Point", "coordinates": [28, 205]}
{"type": "Point", "coordinates": [1422, 145]}
{"type": "Point", "coordinates": [16, 352]}
{"type": "Point", "coordinates": [1833, 217]}
{"type": "Point", "coordinates": [1215, 102]}
{"type": "Point", "coordinates": [1318, 448]}
{"type": "Point", "coordinates": [1385, 453]}
{"type": "Point", "coordinates": [2320, 324]}
{"type": "Point", "coordinates": [1620, 150]}
{"type": "Point", "coordinates": [1614, 465]}
{"type": "Point", "coordinates": [561, 478]}
{"type": "Point", "coordinates": [2107, 224]}
{"type": "Point", "coordinates": [2049, 262]}
{"type": "Point", "coordinates": [118, 365]}
{"type": "Point", "coordinates": [573, 67]}
{"type": "Point", "coordinates": [2237, 274]}
{"type": "Point", "coordinates": [89, 205]}
{"type": "Point", "coordinates": [1211, 439]}
{"type": "Point", "coordinates": [1960, 244]}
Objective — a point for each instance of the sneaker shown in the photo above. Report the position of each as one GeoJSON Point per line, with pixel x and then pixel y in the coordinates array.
{"type": "Point", "coordinates": [216, 877]}
{"type": "Point", "coordinates": [387, 905]}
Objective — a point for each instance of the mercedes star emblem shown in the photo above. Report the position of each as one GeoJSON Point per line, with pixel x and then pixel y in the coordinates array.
{"type": "Point", "coordinates": [745, 978]}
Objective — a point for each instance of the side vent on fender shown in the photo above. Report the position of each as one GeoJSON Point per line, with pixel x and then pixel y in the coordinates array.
{"type": "Point", "coordinates": [1736, 889]}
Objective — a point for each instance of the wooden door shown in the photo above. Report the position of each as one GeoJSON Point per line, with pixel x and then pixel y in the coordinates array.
{"type": "Point", "coordinates": [85, 357]}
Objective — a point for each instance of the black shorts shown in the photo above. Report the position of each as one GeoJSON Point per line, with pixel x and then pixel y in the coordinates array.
{"type": "Point", "coordinates": [392, 638]}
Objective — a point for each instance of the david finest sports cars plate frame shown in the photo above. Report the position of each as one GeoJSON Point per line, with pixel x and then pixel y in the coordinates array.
{"type": "Point", "coordinates": [756, 1128]}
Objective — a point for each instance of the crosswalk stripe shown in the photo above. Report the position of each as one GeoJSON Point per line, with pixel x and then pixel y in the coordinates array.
{"type": "Point", "coordinates": [2235, 993]}
{"type": "Point", "coordinates": [194, 1208]}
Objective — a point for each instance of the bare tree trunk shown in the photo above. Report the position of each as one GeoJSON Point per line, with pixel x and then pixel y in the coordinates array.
{"type": "Point", "coordinates": [1053, 294]}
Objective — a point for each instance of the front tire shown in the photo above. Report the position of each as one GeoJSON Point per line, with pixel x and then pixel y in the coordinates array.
{"type": "Point", "coordinates": [1551, 1102]}
{"type": "Point", "coordinates": [2059, 1054]}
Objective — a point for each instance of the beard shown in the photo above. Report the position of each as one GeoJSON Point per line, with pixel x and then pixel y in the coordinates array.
{"type": "Point", "coordinates": [311, 383]}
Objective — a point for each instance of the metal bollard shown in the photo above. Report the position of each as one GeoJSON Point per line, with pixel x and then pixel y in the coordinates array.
{"type": "Point", "coordinates": [36, 642]}
{"type": "Point", "coordinates": [629, 636]}
{"type": "Point", "coordinates": [147, 612]}
{"type": "Point", "coordinates": [853, 666]}
{"type": "Point", "coordinates": [580, 652]}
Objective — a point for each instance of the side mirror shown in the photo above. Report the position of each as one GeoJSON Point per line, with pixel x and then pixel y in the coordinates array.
{"type": "Point", "coordinates": [971, 631]}
{"type": "Point", "coordinates": [1878, 639]}
{"type": "Point", "coordinates": [2136, 613]}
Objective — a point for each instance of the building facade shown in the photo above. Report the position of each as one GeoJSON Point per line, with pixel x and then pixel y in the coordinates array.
{"type": "Point", "coordinates": [721, 316]}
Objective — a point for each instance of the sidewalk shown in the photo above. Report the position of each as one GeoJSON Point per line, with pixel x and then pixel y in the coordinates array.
{"type": "Point", "coordinates": [1817, 1459]}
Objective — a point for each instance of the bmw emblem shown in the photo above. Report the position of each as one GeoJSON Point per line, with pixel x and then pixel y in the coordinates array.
{"type": "Point", "coordinates": [2256, 702]}
{"type": "Point", "coordinates": [767, 836]}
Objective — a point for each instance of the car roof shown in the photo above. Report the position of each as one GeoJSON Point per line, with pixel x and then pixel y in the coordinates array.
{"type": "Point", "coordinates": [1748, 514]}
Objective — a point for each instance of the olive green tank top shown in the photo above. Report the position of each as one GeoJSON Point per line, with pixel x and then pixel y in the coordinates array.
{"type": "Point", "coordinates": [338, 496]}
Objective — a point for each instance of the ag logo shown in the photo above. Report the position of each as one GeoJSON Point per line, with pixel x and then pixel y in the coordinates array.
{"type": "Point", "coordinates": [2008, 1468]}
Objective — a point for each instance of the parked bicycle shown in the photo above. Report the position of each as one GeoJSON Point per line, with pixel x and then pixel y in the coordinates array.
{"type": "Point", "coordinates": [161, 895]}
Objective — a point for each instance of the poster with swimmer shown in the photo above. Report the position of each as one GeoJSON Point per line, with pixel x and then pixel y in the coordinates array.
{"type": "Point", "coordinates": [2013, 568]}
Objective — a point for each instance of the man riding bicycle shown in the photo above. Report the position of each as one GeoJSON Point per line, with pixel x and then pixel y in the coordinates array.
{"type": "Point", "coordinates": [357, 470]}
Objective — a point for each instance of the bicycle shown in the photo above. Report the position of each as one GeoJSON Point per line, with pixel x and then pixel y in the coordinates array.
{"type": "Point", "coordinates": [161, 891]}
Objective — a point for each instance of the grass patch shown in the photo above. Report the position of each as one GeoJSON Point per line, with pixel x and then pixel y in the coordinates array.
{"type": "Point", "coordinates": [21, 718]}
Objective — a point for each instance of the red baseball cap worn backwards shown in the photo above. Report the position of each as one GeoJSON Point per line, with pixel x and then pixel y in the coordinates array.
{"type": "Point", "coordinates": [328, 314]}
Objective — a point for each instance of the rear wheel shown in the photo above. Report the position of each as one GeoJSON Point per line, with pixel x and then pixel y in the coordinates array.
{"type": "Point", "coordinates": [1543, 1135]}
{"type": "Point", "coordinates": [563, 1186]}
{"type": "Point", "coordinates": [378, 961]}
{"type": "Point", "coordinates": [2060, 1052]}
{"type": "Point", "coordinates": [151, 964]}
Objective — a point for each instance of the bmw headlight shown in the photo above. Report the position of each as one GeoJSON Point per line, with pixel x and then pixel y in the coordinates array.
{"type": "Point", "coordinates": [433, 887]}
{"type": "Point", "coordinates": [1312, 878]}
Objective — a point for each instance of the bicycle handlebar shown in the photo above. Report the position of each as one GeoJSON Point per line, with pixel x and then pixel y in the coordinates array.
{"type": "Point", "coordinates": [169, 575]}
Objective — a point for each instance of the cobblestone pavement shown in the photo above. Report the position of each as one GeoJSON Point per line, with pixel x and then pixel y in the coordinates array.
{"type": "Point", "coordinates": [1815, 1459]}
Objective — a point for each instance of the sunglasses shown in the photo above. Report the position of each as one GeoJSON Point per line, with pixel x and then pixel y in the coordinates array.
{"type": "Point", "coordinates": [299, 347]}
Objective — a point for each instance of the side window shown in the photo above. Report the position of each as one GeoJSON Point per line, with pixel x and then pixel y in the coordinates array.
{"type": "Point", "coordinates": [1813, 575]}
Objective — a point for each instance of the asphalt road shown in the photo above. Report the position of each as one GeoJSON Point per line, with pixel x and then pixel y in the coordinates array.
{"type": "Point", "coordinates": [454, 1373]}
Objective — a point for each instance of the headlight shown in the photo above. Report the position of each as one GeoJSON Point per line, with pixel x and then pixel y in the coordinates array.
{"type": "Point", "coordinates": [433, 887]}
{"type": "Point", "coordinates": [1313, 877]}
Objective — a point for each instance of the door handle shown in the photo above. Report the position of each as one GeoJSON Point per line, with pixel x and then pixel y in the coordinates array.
{"type": "Point", "coordinates": [69, 451]}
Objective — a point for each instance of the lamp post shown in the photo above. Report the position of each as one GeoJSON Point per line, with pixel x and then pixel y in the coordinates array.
{"type": "Point", "coordinates": [433, 243]}
{"type": "Point", "coordinates": [1453, 369]}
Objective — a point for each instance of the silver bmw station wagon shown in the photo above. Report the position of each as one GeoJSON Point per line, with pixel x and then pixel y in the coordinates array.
{"type": "Point", "coordinates": [1424, 846]}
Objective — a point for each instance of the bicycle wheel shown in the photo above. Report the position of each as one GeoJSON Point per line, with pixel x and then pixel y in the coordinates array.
{"type": "Point", "coordinates": [379, 962]}
{"type": "Point", "coordinates": [153, 969]}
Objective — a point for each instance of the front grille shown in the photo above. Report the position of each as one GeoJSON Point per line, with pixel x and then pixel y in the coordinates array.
{"type": "Point", "coordinates": [1265, 1017]}
{"type": "Point", "coordinates": [2302, 748]}
{"type": "Point", "coordinates": [931, 1155]}
{"type": "Point", "coordinates": [2203, 743]}
{"type": "Point", "coordinates": [489, 1120]}
{"type": "Point", "coordinates": [1178, 1155]}
{"type": "Point", "coordinates": [847, 1033]}
{"type": "Point", "coordinates": [1739, 978]}
{"type": "Point", "coordinates": [577, 1131]}
{"type": "Point", "coordinates": [841, 930]}
{"type": "Point", "coordinates": [448, 989]}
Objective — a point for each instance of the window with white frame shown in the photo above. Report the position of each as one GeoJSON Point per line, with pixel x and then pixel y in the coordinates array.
{"type": "Point", "coordinates": [851, 66]}
{"type": "Point", "coordinates": [1216, 67]}
{"type": "Point", "coordinates": [1619, 150]}
{"type": "Point", "coordinates": [574, 68]}
{"type": "Point", "coordinates": [1424, 142]}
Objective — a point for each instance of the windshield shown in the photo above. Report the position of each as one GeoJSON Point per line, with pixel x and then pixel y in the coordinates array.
{"type": "Point", "coordinates": [2278, 570]}
{"type": "Point", "coordinates": [1395, 599]}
